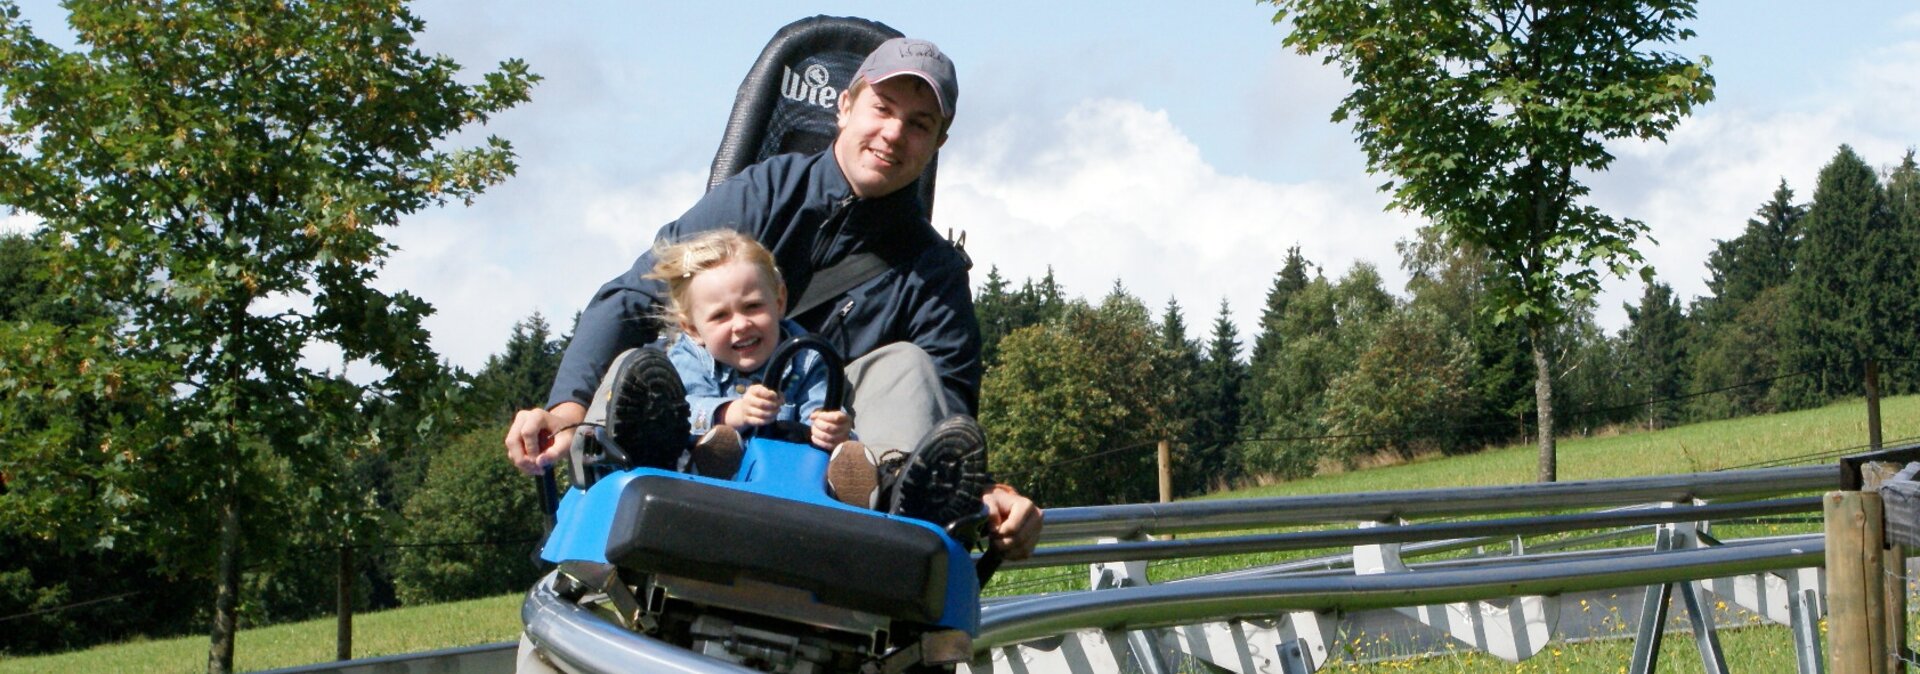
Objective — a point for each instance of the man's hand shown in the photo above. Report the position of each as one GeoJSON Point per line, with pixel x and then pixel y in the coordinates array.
{"type": "Point", "coordinates": [1013, 522]}
{"type": "Point", "coordinates": [538, 436]}
{"type": "Point", "coordinates": [830, 428]}
{"type": "Point", "coordinates": [759, 406]}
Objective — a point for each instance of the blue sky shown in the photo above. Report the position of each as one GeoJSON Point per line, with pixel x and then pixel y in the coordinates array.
{"type": "Point", "coordinates": [1174, 146]}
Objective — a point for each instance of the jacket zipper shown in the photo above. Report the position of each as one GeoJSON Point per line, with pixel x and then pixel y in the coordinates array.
{"type": "Point", "coordinates": [830, 229]}
{"type": "Point", "coordinates": [831, 328]}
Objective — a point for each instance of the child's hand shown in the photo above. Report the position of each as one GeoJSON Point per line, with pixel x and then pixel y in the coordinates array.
{"type": "Point", "coordinates": [830, 428]}
{"type": "Point", "coordinates": [758, 407]}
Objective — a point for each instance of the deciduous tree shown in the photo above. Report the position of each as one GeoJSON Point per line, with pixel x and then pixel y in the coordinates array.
{"type": "Point", "coordinates": [1077, 404]}
{"type": "Point", "coordinates": [218, 174]}
{"type": "Point", "coordinates": [1486, 114]}
{"type": "Point", "coordinates": [1408, 385]}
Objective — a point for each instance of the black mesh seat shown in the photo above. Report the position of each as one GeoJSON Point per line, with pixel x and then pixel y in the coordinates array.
{"type": "Point", "coordinates": [789, 99]}
{"type": "Point", "coordinates": [847, 559]}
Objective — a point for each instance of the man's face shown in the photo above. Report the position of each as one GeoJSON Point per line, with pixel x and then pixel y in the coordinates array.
{"type": "Point", "coordinates": [887, 135]}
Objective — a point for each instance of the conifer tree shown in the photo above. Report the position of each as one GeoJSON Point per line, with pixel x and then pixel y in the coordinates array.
{"type": "Point", "coordinates": [1220, 392]}
{"type": "Point", "coordinates": [1288, 283]}
{"type": "Point", "coordinates": [993, 308]}
{"type": "Point", "coordinates": [1735, 335]}
{"type": "Point", "coordinates": [1657, 363]}
{"type": "Point", "coordinates": [518, 377]}
{"type": "Point", "coordinates": [1903, 198]}
{"type": "Point", "coordinates": [1740, 268]}
{"type": "Point", "coordinates": [1184, 378]}
{"type": "Point", "coordinates": [1847, 302]}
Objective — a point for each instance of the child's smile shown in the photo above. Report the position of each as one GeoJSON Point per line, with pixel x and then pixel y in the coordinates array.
{"type": "Point", "coordinates": [735, 313]}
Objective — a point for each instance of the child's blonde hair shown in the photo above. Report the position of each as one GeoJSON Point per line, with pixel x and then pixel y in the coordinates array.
{"type": "Point", "coordinates": [677, 263]}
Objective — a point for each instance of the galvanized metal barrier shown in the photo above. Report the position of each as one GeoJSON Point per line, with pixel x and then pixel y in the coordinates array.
{"type": "Point", "coordinates": [1279, 618]}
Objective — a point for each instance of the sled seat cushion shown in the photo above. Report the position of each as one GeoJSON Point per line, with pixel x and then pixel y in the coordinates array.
{"type": "Point", "coordinates": [717, 534]}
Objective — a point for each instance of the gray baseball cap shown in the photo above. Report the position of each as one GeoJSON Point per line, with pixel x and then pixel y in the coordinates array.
{"type": "Point", "coordinates": [908, 56]}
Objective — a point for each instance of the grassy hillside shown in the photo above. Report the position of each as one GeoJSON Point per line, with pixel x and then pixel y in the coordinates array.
{"type": "Point", "coordinates": [1716, 445]}
{"type": "Point", "coordinates": [1699, 447]}
{"type": "Point", "coordinates": [406, 630]}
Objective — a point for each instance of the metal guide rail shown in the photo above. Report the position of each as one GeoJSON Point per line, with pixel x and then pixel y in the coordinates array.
{"type": "Point", "coordinates": [1278, 621]}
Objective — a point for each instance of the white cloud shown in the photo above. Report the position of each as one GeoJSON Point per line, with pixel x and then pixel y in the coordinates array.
{"type": "Point", "coordinates": [1112, 190]}
{"type": "Point", "coordinates": [542, 242]}
{"type": "Point", "coordinates": [19, 223]}
{"type": "Point", "coordinates": [1720, 165]}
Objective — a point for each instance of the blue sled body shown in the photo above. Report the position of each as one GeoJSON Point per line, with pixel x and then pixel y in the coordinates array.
{"type": "Point", "coordinates": [773, 524]}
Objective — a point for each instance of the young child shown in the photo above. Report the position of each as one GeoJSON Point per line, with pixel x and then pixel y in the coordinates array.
{"type": "Point", "coordinates": [725, 295]}
{"type": "Point", "coordinates": [727, 298]}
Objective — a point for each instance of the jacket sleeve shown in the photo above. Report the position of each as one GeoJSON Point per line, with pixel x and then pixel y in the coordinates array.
{"type": "Point", "coordinates": [704, 394]}
{"type": "Point", "coordinates": [622, 313]}
{"type": "Point", "coordinates": [810, 392]}
{"type": "Point", "coordinates": [943, 324]}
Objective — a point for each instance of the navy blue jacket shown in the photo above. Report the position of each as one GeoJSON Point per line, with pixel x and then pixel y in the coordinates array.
{"type": "Point", "coordinates": [802, 208]}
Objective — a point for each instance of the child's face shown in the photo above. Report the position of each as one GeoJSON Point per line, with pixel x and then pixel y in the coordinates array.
{"type": "Point", "coordinates": [735, 314]}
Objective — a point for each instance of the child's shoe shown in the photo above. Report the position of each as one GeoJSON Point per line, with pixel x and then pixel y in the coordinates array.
{"type": "Point", "coordinates": [718, 453]}
{"type": "Point", "coordinates": [853, 473]}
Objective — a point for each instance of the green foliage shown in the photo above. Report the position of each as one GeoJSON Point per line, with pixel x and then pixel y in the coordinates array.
{"type": "Point", "coordinates": [1735, 335]}
{"type": "Point", "coordinates": [1076, 406]}
{"type": "Point", "coordinates": [470, 527]}
{"type": "Point", "coordinates": [1741, 268]}
{"type": "Point", "coordinates": [1219, 398]}
{"type": "Point", "coordinates": [519, 377]}
{"type": "Point", "coordinates": [1903, 198]}
{"type": "Point", "coordinates": [1196, 463]}
{"type": "Point", "coordinates": [1001, 312]}
{"type": "Point", "coordinates": [1450, 279]}
{"type": "Point", "coordinates": [1407, 386]}
{"type": "Point", "coordinates": [217, 174]}
{"type": "Point", "coordinates": [1288, 283]}
{"type": "Point", "coordinates": [57, 599]}
{"type": "Point", "coordinates": [1851, 296]}
{"type": "Point", "coordinates": [1592, 376]}
{"type": "Point", "coordinates": [1657, 362]}
{"type": "Point", "coordinates": [1738, 358]}
{"type": "Point", "coordinates": [1317, 339]}
{"type": "Point", "coordinates": [1483, 113]}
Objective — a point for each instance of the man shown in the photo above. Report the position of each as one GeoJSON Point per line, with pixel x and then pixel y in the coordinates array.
{"type": "Point", "coordinates": [910, 330]}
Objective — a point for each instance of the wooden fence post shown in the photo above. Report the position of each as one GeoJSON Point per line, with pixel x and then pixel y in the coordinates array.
{"type": "Point", "coordinates": [1894, 561]}
{"type": "Point", "coordinates": [1166, 471]}
{"type": "Point", "coordinates": [343, 605]}
{"type": "Point", "coordinates": [1873, 404]}
{"type": "Point", "coordinates": [1856, 618]}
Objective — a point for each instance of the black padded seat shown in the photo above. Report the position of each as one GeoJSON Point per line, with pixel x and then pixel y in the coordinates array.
{"type": "Point", "coordinates": [716, 534]}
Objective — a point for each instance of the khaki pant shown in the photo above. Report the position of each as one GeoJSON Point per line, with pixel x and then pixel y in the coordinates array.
{"type": "Point", "coordinates": [896, 396]}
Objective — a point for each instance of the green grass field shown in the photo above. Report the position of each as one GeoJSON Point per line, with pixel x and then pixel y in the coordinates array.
{"type": "Point", "coordinates": [1695, 448]}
